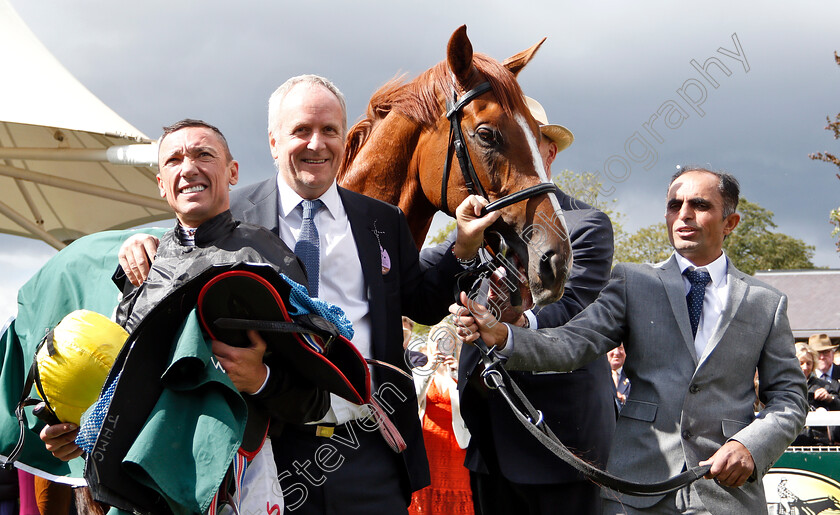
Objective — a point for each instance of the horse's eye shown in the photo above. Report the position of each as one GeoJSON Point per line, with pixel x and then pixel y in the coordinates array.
{"type": "Point", "coordinates": [488, 137]}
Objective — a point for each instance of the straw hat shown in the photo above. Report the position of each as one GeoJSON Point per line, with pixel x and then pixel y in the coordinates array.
{"type": "Point", "coordinates": [560, 135]}
{"type": "Point", "coordinates": [820, 342]}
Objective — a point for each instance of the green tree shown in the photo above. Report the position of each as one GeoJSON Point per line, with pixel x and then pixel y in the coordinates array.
{"type": "Point", "coordinates": [752, 245]}
{"type": "Point", "coordinates": [587, 187]}
{"type": "Point", "coordinates": [647, 245]}
{"type": "Point", "coordinates": [834, 215]}
{"type": "Point", "coordinates": [441, 235]}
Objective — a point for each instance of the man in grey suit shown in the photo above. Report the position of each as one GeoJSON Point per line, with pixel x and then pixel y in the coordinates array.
{"type": "Point", "coordinates": [692, 368]}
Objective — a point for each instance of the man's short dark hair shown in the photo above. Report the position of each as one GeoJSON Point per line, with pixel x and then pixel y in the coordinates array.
{"type": "Point", "coordinates": [191, 122]}
{"type": "Point", "coordinates": [727, 186]}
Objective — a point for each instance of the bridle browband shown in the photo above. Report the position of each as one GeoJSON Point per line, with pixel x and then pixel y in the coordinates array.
{"type": "Point", "coordinates": [458, 146]}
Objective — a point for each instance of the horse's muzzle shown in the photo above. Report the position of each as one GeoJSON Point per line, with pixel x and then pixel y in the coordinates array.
{"type": "Point", "coordinates": [552, 270]}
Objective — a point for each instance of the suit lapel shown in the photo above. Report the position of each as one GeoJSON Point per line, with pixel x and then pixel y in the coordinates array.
{"type": "Point", "coordinates": [369, 255]}
{"type": "Point", "coordinates": [671, 278]}
{"type": "Point", "coordinates": [263, 208]}
{"type": "Point", "coordinates": [737, 291]}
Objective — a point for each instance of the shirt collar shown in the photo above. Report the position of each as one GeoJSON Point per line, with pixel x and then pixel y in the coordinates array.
{"type": "Point", "coordinates": [717, 268]}
{"type": "Point", "coordinates": [207, 232]}
{"type": "Point", "coordinates": [288, 199]}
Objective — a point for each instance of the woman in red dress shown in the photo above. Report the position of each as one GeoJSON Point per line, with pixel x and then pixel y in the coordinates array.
{"type": "Point", "coordinates": [444, 432]}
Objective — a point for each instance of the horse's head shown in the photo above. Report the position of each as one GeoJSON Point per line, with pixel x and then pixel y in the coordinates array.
{"type": "Point", "coordinates": [502, 142]}
{"type": "Point", "coordinates": [406, 152]}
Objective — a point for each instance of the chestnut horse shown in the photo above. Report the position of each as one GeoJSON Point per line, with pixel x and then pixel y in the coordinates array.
{"type": "Point", "coordinates": [402, 154]}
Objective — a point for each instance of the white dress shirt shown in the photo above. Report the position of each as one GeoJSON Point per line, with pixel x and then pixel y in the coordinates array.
{"type": "Point", "coordinates": [714, 301]}
{"type": "Point", "coordinates": [825, 375]}
{"type": "Point", "coordinates": [340, 281]}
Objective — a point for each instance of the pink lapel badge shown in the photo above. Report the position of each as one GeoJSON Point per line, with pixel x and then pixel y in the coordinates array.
{"type": "Point", "coordinates": [386, 260]}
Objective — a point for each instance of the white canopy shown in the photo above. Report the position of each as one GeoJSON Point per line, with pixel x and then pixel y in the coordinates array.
{"type": "Point", "coordinates": [69, 165]}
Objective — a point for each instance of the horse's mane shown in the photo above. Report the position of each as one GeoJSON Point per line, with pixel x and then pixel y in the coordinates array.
{"type": "Point", "coordinates": [419, 100]}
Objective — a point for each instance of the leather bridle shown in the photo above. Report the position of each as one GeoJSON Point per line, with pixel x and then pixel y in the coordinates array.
{"type": "Point", "coordinates": [495, 376]}
{"type": "Point", "coordinates": [458, 146]}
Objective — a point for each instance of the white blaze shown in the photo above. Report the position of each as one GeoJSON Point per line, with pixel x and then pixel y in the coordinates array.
{"type": "Point", "coordinates": [534, 146]}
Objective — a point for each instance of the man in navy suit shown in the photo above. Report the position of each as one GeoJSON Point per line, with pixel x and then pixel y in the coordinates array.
{"type": "Point", "coordinates": [368, 266]}
{"type": "Point", "coordinates": [509, 469]}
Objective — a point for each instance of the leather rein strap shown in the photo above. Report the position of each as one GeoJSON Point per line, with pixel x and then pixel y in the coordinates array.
{"type": "Point", "coordinates": [458, 145]}
{"type": "Point", "coordinates": [43, 412]}
{"type": "Point", "coordinates": [497, 378]}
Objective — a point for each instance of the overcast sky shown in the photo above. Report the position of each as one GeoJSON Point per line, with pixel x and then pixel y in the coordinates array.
{"type": "Point", "coordinates": [612, 72]}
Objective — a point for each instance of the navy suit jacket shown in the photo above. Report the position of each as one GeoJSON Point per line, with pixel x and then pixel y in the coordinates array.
{"type": "Point", "coordinates": [423, 296]}
{"type": "Point", "coordinates": [578, 405]}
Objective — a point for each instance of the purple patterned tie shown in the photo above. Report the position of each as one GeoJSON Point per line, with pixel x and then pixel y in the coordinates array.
{"type": "Point", "coordinates": [698, 279]}
{"type": "Point", "coordinates": [308, 246]}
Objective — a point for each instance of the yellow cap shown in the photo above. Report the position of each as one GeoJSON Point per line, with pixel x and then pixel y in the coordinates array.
{"type": "Point", "coordinates": [85, 346]}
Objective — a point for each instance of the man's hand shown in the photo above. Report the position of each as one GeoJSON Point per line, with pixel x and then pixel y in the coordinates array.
{"type": "Point", "coordinates": [59, 439]}
{"type": "Point", "coordinates": [732, 464]}
{"type": "Point", "coordinates": [499, 297]}
{"type": "Point", "coordinates": [470, 228]}
{"type": "Point", "coordinates": [474, 320]}
{"type": "Point", "coordinates": [244, 365]}
{"type": "Point", "coordinates": [133, 257]}
{"type": "Point", "coordinates": [821, 394]}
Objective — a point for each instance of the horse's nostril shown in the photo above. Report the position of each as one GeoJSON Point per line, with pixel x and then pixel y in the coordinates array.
{"type": "Point", "coordinates": [552, 268]}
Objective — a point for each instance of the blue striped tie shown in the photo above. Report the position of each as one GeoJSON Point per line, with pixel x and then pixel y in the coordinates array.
{"type": "Point", "coordinates": [308, 246]}
{"type": "Point", "coordinates": [698, 279]}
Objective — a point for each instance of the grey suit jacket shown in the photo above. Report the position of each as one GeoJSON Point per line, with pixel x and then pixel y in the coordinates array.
{"type": "Point", "coordinates": [683, 407]}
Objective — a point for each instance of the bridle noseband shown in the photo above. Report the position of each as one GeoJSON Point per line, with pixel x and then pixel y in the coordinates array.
{"type": "Point", "coordinates": [459, 145]}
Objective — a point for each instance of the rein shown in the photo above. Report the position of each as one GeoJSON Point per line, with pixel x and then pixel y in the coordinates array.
{"type": "Point", "coordinates": [496, 377]}
{"type": "Point", "coordinates": [458, 146]}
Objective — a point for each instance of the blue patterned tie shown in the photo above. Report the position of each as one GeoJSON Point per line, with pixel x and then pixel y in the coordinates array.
{"type": "Point", "coordinates": [698, 279]}
{"type": "Point", "coordinates": [308, 246]}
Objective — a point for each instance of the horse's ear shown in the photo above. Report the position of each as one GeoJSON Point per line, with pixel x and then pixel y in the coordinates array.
{"type": "Point", "coordinates": [459, 54]}
{"type": "Point", "coordinates": [517, 62]}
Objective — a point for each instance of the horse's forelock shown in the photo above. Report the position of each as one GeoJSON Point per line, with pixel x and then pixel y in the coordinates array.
{"type": "Point", "coordinates": [503, 83]}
